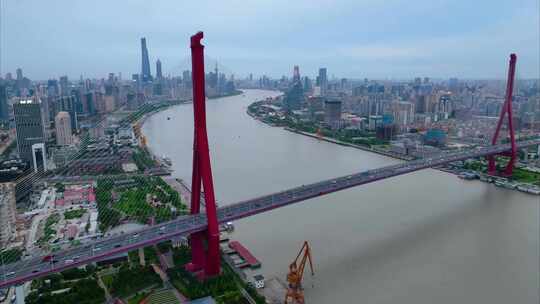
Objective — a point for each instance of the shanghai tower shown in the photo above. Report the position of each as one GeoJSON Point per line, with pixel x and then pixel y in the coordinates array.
{"type": "Point", "coordinates": [145, 71]}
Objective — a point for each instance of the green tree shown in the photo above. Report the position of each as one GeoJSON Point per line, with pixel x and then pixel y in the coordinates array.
{"type": "Point", "coordinates": [60, 187]}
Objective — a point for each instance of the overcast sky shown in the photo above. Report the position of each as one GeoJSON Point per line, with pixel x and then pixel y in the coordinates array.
{"type": "Point", "coordinates": [352, 38]}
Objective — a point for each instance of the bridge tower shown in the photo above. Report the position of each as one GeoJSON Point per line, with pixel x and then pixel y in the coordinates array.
{"type": "Point", "coordinates": [506, 111]}
{"type": "Point", "coordinates": [205, 244]}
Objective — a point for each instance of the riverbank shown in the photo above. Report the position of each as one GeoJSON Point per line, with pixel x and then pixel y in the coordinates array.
{"type": "Point", "coordinates": [523, 187]}
{"type": "Point", "coordinates": [235, 93]}
{"type": "Point", "coordinates": [146, 114]}
{"type": "Point", "coordinates": [403, 221]}
{"type": "Point", "coordinates": [335, 141]}
{"type": "Point", "coordinates": [342, 143]}
{"type": "Point", "coordinates": [162, 106]}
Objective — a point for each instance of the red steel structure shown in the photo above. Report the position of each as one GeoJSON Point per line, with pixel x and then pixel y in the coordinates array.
{"type": "Point", "coordinates": [205, 255]}
{"type": "Point", "coordinates": [506, 109]}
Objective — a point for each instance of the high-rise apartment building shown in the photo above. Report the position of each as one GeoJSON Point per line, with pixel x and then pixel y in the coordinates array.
{"type": "Point", "coordinates": [145, 65]}
{"type": "Point", "coordinates": [52, 87]}
{"type": "Point", "coordinates": [332, 113]}
{"type": "Point", "coordinates": [4, 114]}
{"type": "Point", "coordinates": [186, 79]}
{"type": "Point", "coordinates": [453, 85]}
{"type": "Point", "coordinates": [67, 104]}
{"type": "Point", "coordinates": [403, 113]}
{"type": "Point", "coordinates": [323, 81]}
{"type": "Point", "coordinates": [294, 97]}
{"type": "Point", "coordinates": [29, 126]}
{"type": "Point", "coordinates": [64, 85]}
{"type": "Point", "coordinates": [62, 122]}
{"type": "Point", "coordinates": [159, 75]}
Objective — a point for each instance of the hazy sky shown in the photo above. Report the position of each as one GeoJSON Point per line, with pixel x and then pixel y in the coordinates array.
{"type": "Point", "coordinates": [352, 38]}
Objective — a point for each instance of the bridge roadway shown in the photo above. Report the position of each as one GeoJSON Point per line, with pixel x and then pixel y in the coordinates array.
{"type": "Point", "coordinates": [28, 269]}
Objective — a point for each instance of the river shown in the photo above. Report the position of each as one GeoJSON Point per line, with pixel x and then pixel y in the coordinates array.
{"type": "Point", "coordinates": [425, 237]}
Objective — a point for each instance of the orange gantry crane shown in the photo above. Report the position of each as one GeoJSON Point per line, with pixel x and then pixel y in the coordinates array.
{"type": "Point", "coordinates": [295, 291]}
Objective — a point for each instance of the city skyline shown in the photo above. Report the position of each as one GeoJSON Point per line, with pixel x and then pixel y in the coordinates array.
{"type": "Point", "coordinates": [394, 45]}
{"type": "Point", "coordinates": [95, 185]}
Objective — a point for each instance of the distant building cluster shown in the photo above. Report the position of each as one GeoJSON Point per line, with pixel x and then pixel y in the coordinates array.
{"type": "Point", "coordinates": [48, 124]}
{"type": "Point", "coordinates": [405, 114]}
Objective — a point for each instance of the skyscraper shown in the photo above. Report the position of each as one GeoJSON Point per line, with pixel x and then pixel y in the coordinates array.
{"type": "Point", "coordinates": [307, 83]}
{"type": "Point", "coordinates": [323, 81]}
{"type": "Point", "coordinates": [294, 97]}
{"type": "Point", "coordinates": [64, 85]}
{"type": "Point", "coordinates": [453, 85]}
{"type": "Point", "coordinates": [67, 104]}
{"type": "Point", "coordinates": [19, 74]}
{"type": "Point", "coordinates": [21, 84]}
{"type": "Point", "coordinates": [29, 127]}
{"type": "Point", "coordinates": [52, 87]}
{"type": "Point", "coordinates": [158, 70]}
{"type": "Point", "coordinates": [296, 73]}
{"type": "Point", "coordinates": [145, 66]}
{"type": "Point", "coordinates": [4, 115]}
{"type": "Point", "coordinates": [186, 79]}
{"type": "Point", "coordinates": [62, 123]}
{"type": "Point", "coordinates": [332, 113]}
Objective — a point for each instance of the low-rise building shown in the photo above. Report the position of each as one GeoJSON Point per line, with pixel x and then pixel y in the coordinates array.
{"type": "Point", "coordinates": [8, 213]}
{"type": "Point", "coordinates": [76, 195]}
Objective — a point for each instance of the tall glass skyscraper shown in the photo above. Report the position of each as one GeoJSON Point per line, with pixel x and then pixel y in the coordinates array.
{"type": "Point", "coordinates": [29, 127]}
{"type": "Point", "coordinates": [145, 67]}
{"type": "Point", "coordinates": [323, 81]}
{"type": "Point", "coordinates": [4, 115]}
{"type": "Point", "coordinates": [159, 75]}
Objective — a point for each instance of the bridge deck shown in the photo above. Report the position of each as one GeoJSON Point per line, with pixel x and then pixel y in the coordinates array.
{"type": "Point", "coordinates": [29, 269]}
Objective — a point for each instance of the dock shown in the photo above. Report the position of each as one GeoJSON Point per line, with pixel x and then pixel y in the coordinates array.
{"type": "Point", "coordinates": [249, 259]}
{"type": "Point", "coordinates": [274, 290]}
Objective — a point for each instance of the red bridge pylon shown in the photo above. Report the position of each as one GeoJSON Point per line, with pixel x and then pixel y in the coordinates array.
{"type": "Point", "coordinates": [205, 255]}
{"type": "Point", "coordinates": [506, 109]}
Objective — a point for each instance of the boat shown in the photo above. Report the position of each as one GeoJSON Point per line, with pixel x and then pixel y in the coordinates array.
{"type": "Point", "coordinates": [467, 176]}
{"type": "Point", "coordinates": [505, 184]}
{"type": "Point", "coordinates": [535, 190]}
{"type": "Point", "coordinates": [486, 179]}
{"type": "Point", "coordinates": [529, 189]}
{"type": "Point", "coordinates": [167, 161]}
{"type": "Point", "coordinates": [509, 185]}
{"type": "Point", "coordinates": [228, 227]}
{"type": "Point", "coordinates": [168, 118]}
